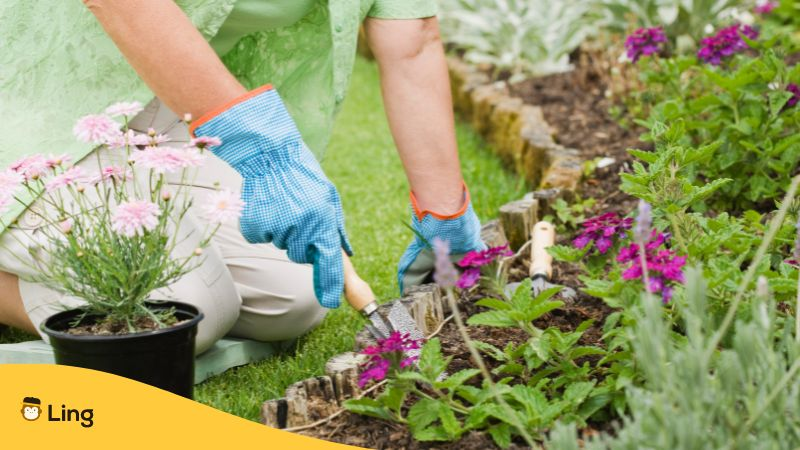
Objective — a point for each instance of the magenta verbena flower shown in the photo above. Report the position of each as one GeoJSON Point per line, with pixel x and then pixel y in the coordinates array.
{"type": "Point", "coordinates": [601, 231]}
{"type": "Point", "coordinates": [794, 89]}
{"type": "Point", "coordinates": [387, 357]}
{"type": "Point", "coordinates": [728, 41]}
{"type": "Point", "coordinates": [664, 266]}
{"type": "Point", "coordinates": [474, 260]}
{"type": "Point", "coordinates": [135, 218]}
{"type": "Point", "coordinates": [645, 42]}
{"type": "Point", "coordinates": [765, 7]}
{"type": "Point", "coordinates": [222, 207]}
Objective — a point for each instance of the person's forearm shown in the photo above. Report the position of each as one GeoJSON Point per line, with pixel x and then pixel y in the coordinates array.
{"type": "Point", "coordinates": [168, 53]}
{"type": "Point", "coordinates": [416, 92]}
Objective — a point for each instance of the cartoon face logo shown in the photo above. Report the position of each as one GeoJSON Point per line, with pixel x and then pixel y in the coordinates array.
{"type": "Point", "coordinates": [31, 408]}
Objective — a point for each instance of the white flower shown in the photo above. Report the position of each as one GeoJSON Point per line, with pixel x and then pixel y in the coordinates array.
{"type": "Point", "coordinates": [222, 207]}
{"type": "Point", "coordinates": [127, 109]}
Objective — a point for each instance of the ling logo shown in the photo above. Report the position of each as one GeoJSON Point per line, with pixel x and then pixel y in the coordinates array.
{"type": "Point", "coordinates": [31, 408]}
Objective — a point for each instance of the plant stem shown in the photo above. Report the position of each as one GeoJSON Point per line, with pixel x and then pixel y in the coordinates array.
{"type": "Point", "coordinates": [751, 270]}
{"type": "Point", "coordinates": [462, 329]}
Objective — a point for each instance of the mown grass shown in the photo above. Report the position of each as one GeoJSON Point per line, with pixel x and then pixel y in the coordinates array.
{"type": "Point", "coordinates": [363, 163]}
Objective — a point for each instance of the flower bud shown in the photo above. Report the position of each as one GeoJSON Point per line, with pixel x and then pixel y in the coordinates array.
{"type": "Point", "coordinates": [762, 287]}
{"type": "Point", "coordinates": [166, 195]}
{"type": "Point", "coordinates": [66, 226]}
{"type": "Point", "coordinates": [644, 221]}
{"type": "Point", "coordinates": [151, 132]}
{"type": "Point", "coordinates": [187, 117]}
{"type": "Point", "coordinates": [198, 251]}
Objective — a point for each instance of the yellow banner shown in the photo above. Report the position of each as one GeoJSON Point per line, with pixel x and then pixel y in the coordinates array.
{"type": "Point", "coordinates": [60, 407]}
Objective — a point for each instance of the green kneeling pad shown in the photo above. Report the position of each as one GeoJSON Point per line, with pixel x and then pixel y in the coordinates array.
{"type": "Point", "coordinates": [223, 355]}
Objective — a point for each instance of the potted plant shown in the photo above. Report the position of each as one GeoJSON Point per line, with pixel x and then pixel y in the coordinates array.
{"type": "Point", "coordinates": [110, 240]}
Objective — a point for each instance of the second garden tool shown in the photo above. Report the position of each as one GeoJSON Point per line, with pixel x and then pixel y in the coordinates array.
{"type": "Point", "coordinates": [543, 236]}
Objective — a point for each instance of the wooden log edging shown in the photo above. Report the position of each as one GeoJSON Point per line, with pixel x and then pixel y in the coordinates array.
{"type": "Point", "coordinates": [517, 132]}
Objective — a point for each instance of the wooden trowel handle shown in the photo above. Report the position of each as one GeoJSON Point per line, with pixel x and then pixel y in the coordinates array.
{"type": "Point", "coordinates": [544, 235]}
{"type": "Point", "coordinates": [356, 290]}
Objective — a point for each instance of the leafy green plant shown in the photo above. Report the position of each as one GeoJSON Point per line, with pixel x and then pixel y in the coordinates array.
{"type": "Point", "coordinates": [523, 36]}
{"type": "Point", "coordinates": [746, 106]}
{"type": "Point", "coordinates": [567, 216]}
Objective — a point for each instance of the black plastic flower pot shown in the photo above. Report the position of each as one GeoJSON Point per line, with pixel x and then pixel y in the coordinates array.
{"type": "Point", "coordinates": [162, 358]}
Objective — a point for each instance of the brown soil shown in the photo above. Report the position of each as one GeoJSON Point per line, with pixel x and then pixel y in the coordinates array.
{"type": "Point", "coordinates": [118, 328]}
{"type": "Point", "coordinates": [575, 105]}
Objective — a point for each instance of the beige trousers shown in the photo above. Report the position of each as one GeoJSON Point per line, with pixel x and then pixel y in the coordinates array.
{"type": "Point", "coordinates": [244, 290]}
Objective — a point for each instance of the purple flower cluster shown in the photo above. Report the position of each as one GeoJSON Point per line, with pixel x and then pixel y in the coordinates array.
{"type": "Point", "coordinates": [601, 231]}
{"type": "Point", "coordinates": [663, 265]}
{"type": "Point", "coordinates": [794, 89]}
{"type": "Point", "coordinates": [387, 357]}
{"type": "Point", "coordinates": [473, 261]}
{"type": "Point", "coordinates": [645, 42]}
{"type": "Point", "coordinates": [726, 42]}
{"type": "Point", "coordinates": [765, 7]}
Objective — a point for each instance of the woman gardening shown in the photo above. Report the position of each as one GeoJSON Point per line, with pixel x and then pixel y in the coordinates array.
{"type": "Point", "coordinates": [266, 78]}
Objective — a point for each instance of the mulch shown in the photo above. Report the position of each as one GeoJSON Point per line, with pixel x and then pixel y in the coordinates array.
{"type": "Point", "coordinates": [575, 105]}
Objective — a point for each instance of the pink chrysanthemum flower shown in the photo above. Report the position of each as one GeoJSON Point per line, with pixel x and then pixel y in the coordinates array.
{"type": "Point", "coordinates": [122, 140]}
{"type": "Point", "coordinates": [95, 128]}
{"type": "Point", "coordinates": [10, 181]}
{"type": "Point", "coordinates": [167, 159]}
{"type": "Point", "coordinates": [70, 177]}
{"type": "Point", "coordinates": [205, 142]}
{"type": "Point", "coordinates": [5, 203]}
{"type": "Point", "coordinates": [388, 357]}
{"type": "Point", "coordinates": [114, 174]}
{"type": "Point", "coordinates": [135, 218]}
{"type": "Point", "coordinates": [54, 161]}
{"type": "Point", "coordinates": [223, 207]}
{"type": "Point", "coordinates": [31, 167]}
{"type": "Point", "coordinates": [127, 109]}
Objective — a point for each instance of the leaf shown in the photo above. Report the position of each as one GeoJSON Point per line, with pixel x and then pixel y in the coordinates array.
{"type": "Point", "coordinates": [493, 319]}
{"type": "Point", "coordinates": [393, 397]}
{"type": "Point", "coordinates": [422, 414]}
{"type": "Point", "coordinates": [493, 303]}
{"type": "Point", "coordinates": [777, 100]}
{"type": "Point", "coordinates": [501, 434]}
{"type": "Point", "coordinates": [576, 393]}
{"type": "Point", "coordinates": [567, 253]}
{"type": "Point", "coordinates": [368, 407]}
{"type": "Point", "coordinates": [457, 379]}
{"type": "Point", "coordinates": [449, 421]}
{"type": "Point", "coordinates": [646, 156]}
{"type": "Point", "coordinates": [436, 433]}
{"type": "Point", "coordinates": [581, 351]}
{"type": "Point", "coordinates": [431, 362]}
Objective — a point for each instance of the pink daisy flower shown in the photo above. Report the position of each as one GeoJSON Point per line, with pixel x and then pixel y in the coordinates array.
{"type": "Point", "coordinates": [95, 128]}
{"type": "Point", "coordinates": [54, 161]}
{"type": "Point", "coordinates": [5, 203]}
{"type": "Point", "coordinates": [114, 174]}
{"type": "Point", "coordinates": [31, 167]}
{"type": "Point", "coordinates": [223, 207]}
{"type": "Point", "coordinates": [70, 177]}
{"type": "Point", "coordinates": [167, 159]}
{"type": "Point", "coordinates": [135, 217]}
{"type": "Point", "coordinates": [205, 142]}
{"type": "Point", "coordinates": [127, 109]}
{"type": "Point", "coordinates": [122, 140]}
{"type": "Point", "coordinates": [10, 181]}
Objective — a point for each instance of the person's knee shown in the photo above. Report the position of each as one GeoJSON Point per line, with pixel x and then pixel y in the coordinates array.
{"type": "Point", "coordinates": [277, 319]}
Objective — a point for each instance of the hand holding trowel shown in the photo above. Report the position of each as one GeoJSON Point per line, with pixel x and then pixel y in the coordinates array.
{"type": "Point", "coordinates": [541, 270]}
{"type": "Point", "coordinates": [361, 297]}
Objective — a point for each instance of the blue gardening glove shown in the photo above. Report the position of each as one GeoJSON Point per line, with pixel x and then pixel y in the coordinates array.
{"type": "Point", "coordinates": [462, 230]}
{"type": "Point", "coordinates": [288, 199]}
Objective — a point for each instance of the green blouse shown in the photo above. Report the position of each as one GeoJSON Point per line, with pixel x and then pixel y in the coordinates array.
{"type": "Point", "coordinates": [57, 64]}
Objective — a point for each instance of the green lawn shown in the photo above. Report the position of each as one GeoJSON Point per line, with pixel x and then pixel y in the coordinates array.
{"type": "Point", "coordinates": [363, 163]}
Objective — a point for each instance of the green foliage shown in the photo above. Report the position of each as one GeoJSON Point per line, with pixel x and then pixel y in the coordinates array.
{"type": "Point", "coordinates": [743, 107]}
{"type": "Point", "coordinates": [568, 216]}
{"type": "Point", "coordinates": [745, 395]}
{"type": "Point", "coordinates": [523, 36]}
{"type": "Point", "coordinates": [678, 17]}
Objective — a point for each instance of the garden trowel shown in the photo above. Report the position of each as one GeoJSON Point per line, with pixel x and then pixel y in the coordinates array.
{"type": "Point", "coordinates": [361, 297]}
{"type": "Point", "coordinates": [543, 236]}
